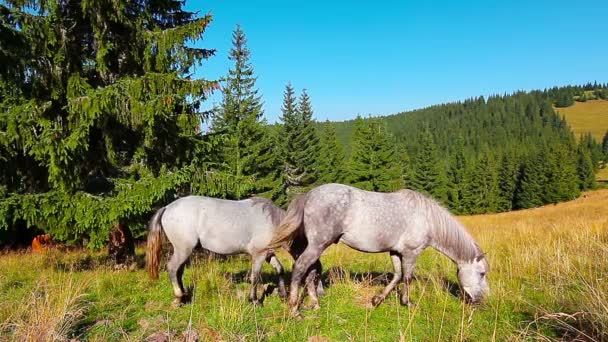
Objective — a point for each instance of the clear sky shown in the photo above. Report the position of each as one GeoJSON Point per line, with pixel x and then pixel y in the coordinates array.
{"type": "Point", "coordinates": [382, 57]}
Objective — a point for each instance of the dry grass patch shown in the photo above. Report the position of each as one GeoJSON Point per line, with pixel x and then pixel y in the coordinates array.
{"type": "Point", "coordinates": [51, 312]}
{"type": "Point", "coordinates": [587, 117]}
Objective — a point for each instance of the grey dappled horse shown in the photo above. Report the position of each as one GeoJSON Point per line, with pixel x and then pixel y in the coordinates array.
{"type": "Point", "coordinates": [221, 226]}
{"type": "Point", "coordinates": [402, 223]}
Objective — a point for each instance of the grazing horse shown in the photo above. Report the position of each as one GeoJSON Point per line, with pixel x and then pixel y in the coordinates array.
{"type": "Point", "coordinates": [402, 223]}
{"type": "Point", "coordinates": [221, 226]}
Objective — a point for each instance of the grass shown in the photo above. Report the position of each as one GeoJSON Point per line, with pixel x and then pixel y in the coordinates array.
{"type": "Point", "coordinates": [548, 280]}
{"type": "Point", "coordinates": [587, 117]}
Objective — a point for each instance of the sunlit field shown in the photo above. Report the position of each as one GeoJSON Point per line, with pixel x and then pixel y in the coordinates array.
{"type": "Point", "coordinates": [548, 280]}
{"type": "Point", "coordinates": [587, 117]}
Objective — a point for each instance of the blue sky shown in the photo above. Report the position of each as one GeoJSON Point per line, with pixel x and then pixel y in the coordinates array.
{"type": "Point", "coordinates": [382, 57]}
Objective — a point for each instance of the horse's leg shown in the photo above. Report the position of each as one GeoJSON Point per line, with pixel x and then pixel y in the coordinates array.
{"type": "Point", "coordinates": [320, 289]}
{"type": "Point", "coordinates": [312, 281]}
{"type": "Point", "coordinates": [256, 267]}
{"type": "Point", "coordinates": [396, 278]}
{"type": "Point", "coordinates": [408, 262]}
{"type": "Point", "coordinates": [175, 267]}
{"type": "Point", "coordinates": [310, 255]}
{"type": "Point", "coordinates": [279, 268]}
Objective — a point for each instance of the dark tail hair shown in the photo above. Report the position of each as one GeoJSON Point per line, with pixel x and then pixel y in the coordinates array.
{"type": "Point", "coordinates": [290, 225]}
{"type": "Point", "coordinates": [155, 244]}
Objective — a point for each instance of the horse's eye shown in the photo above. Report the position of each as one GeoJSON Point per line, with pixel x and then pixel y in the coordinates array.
{"type": "Point", "coordinates": [483, 274]}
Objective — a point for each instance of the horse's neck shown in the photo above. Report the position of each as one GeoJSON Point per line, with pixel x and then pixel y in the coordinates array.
{"type": "Point", "coordinates": [451, 239]}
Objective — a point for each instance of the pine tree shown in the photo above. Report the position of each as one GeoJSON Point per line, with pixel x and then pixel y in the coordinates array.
{"type": "Point", "coordinates": [585, 170]}
{"type": "Point", "coordinates": [247, 151]}
{"type": "Point", "coordinates": [456, 177]}
{"type": "Point", "coordinates": [507, 181]}
{"type": "Point", "coordinates": [100, 101]}
{"type": "Point", "coordinates": [481, 189]}
{"type": "Point", "coordinates": [428, 174]}
{"type": "Point", "coordinates": [405, 169]}
{"type": "Point", "coordinates": [529, 192]}
{"type": "Point", "coordinates": [299, 145]}
{"type": "Point", "coordinates": [307, 144]}
{"type": "Point", "coordinates": [372, 163]}
{"type": "Point", "coordinates": [331, 168]}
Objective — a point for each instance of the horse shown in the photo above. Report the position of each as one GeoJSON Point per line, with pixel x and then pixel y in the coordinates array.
{"type": "Point", "coordinates": [221, 226]}
{"type": "Point", "coordinates": [402, 223]}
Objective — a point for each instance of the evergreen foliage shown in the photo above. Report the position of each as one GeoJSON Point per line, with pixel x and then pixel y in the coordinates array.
{"type": "Point", "coordinates": [331, 165]}
{"type": "Point", "coordinates": [97, 100]}
{"type": "Point", "coordinates": [428, 173]}
{"type": "Point", "coordinates": [373, 163]}
{"type": "Point", "coordinates": [300, 146]}
{"type": "Point", "coordinates": [248, 146]}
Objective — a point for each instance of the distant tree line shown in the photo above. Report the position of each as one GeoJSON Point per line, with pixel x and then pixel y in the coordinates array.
{"type": "Point", "coordinates": [101, 123]}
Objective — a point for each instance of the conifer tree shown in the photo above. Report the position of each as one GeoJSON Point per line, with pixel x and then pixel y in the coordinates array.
{"type": "Point", "coordinates": [299, 145]}
{"type": "Point", "coordinates": [507, 181]}
{"type": "Point", "coordinates": [247, 150]}
{"type": "Point", "coordinates": [100, 107]}
{"type": "Point", "coordinates": [481, 190]}
{"type": "Point", "coordinates": [585, 170]}
{"type": "Point", "coordinates": [331, 168]}
{"type": "Point", "coordinates": [428, 174]}
{"type": "Point", "coordinates": [307, 143]}
{"type": "Point", "coordinates": [531, 181]}
{"type": "Point", "coordinates": [405, 169]}
{"type": "Point", "coordinates": [456, 177]}
{"type": "Point", "coordinates": [373, 163]}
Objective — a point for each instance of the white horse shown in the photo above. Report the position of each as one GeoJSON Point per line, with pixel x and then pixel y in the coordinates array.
{"type": "Point", "coordinates": [221, 226]}
{"type": "Point", "coordinates": [402, 223]}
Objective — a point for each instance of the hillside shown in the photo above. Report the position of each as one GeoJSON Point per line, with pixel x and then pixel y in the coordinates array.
{"type": "Point", "coordinates": [547, 266]}
{"type": "Point", "coordinates": [587, 117]}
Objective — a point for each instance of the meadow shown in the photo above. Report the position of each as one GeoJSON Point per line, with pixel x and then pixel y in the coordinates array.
{"type": "Point", "coordinates": [548, 282]}
{"type": "Point", "coordinates": [587, 117]}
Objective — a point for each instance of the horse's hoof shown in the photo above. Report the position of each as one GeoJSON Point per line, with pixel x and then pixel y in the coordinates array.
{"type": "Point", "coordinates": [316, 307]}
{"type": "Point", "coordinates": [297, 315]}
{"type": "Point", "coordinates": [376, 300]}
{"type": "Point", "coordinates": [408, 303]}
{"type": "Point", "coordinates": [256, 302]}
{"type": "Point", "coordinates": [177, 302]}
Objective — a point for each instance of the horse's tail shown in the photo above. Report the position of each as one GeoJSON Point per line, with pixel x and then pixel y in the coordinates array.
{"type": "Point", "coordinates": [155, 243]}
{"type": "Point", "coordinates": [290, 225]}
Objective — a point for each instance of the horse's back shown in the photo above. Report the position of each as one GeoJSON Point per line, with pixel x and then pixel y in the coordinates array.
{"type": "Point", "coordinates": [369, 221]}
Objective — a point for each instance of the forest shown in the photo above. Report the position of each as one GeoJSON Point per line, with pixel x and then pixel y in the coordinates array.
{"type": "Point", "coordinates": [101, 122]}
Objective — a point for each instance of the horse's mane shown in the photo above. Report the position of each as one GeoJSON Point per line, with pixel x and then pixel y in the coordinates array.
{"type": "Point", "coordinates": [448, 235]}
{"type": "Point", "coordinates": [275, 213]}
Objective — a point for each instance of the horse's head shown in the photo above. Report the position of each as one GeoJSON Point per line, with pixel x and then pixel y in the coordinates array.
{"type": "Point", "coordinates": [473, 279]}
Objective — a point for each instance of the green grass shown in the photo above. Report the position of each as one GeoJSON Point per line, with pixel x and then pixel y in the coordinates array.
{"type": "Point", "coordinates": [547, 271]}
{"type": "Point", "coordinates": [587, 117]}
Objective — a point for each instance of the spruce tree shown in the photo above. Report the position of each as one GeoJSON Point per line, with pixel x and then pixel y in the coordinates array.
{"type": "Point", "coordinates": [372, 163]}
{"type": "Point", "coordinates": [585, 170]}
{"type": "Point", "coordinates": [405, 168]}
{"type": "Point", "coordinates": [99, 110]}
{"type": "Point", "coordinates": [529, 192]}
{"type": "Point", "coordinates": [247, 149]}
{"type": "Point", "coordinates": [456, 177]}
{"type": "Point", "coordinates": [331, 168]}
{"type": "Point", "coordinates": [507, 181]}
{"type": "Point", "coordinates": [299, 145]}
{"type": "Point", "coordinates": [307, 142]}
{"type": "Point", "coordinates": [481, 188]}
{"type": "Point", "coordinates": [428, 174]}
